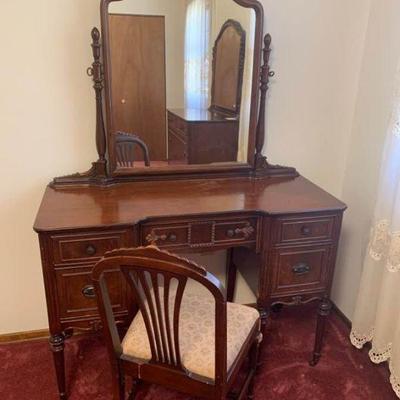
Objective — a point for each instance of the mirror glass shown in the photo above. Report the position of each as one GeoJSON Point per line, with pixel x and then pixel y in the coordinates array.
{"type": "Point", "coordinates": [181, 78]}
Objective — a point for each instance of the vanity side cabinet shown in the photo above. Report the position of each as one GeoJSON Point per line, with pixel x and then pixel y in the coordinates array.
{"type": "Point", "coordinates": [68, 258]}
{"type": "Point", "coordinates": [301, 257]}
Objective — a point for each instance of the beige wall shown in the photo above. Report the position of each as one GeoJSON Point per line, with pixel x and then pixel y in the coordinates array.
{"type": "Point", "coordinates": [47, 125]}
{"type": "Point", "coordinates": [47, 117]}
{"type": "Point", "coordinates": [317, 49]}
{"type": "Point", "coordinates": [372, 112]}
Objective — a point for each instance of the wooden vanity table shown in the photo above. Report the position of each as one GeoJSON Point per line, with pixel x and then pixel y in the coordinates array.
{"type": "Point", "coordinates": [269, 218]}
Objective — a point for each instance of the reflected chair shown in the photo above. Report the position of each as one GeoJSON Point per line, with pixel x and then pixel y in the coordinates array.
{"type": "Point", "coordinates": [185, 335]}
{"type": "Point", "coordinates": [125, 149]}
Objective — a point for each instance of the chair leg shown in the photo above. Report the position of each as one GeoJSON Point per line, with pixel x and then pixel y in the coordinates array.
{"type": "Point", "coordinates": [134, 389]}
{"type": "Point", "coordinates": [118, 384]}
{"type": "Point", "coordinates": [253, 366]}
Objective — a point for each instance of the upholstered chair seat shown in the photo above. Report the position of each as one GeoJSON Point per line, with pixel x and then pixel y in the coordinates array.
{"type": "Point", "coordinates": [197, 332]}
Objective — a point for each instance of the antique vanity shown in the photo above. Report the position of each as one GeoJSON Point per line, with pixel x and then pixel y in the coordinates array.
{"type": "Point", "coordinates": [270, 220]}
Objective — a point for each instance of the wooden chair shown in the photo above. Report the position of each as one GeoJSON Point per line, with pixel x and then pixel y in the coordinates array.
{"type": "Point", "coordinates": [185, 335]}
{"type": "Point", "coordinates": [125, 145]}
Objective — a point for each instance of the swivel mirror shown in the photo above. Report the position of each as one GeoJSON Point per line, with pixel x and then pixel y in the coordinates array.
{"type": "Point", "coordinates": [180, 90]}
{"type": "Point", "coordinates": [181, 76]}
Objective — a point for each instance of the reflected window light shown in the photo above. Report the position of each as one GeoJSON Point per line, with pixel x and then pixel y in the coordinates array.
{"type": "Point", "coordinates": [197, 55]}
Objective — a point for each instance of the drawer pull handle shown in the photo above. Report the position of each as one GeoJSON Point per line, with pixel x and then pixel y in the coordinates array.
{"type": "Point", "coordinates": [230, 233]}
{"type": "Point", "coordinates": [91, 250]}
{"type": "Point", "coordinates": [172, 237]}
{"type": "Point", "coordinates": [301, 269]}
{"type": "Point", "coordinates": [89, 292]}
{"type": "Point", "coordinates": [306, 231]}
{"type": "Point", "coordinates": [246, 231]}
{"type": "Point", "coordinates": [152, 237]}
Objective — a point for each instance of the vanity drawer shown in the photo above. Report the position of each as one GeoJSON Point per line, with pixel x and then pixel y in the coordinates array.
{"type": "Point", "coordinates": [88, 246]}
{"type": "Point", "coordinates": [304, 229]}
{"type": "Point", "coordinates": [201, 233]}
{"type": "Point", "coordinates": [76, 296]}
{"type": "Point", "coordinates": [300, 269]}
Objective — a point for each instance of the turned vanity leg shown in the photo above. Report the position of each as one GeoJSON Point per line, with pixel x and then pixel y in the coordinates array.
{"type": "Point", "coordinates": [231, 274]}
{"type": "Point", "coordinates": [57, 347]}
{"type": "Point", "coordinates": [264, 313]}
{"type": "Point", "coordinates": [324, 310]}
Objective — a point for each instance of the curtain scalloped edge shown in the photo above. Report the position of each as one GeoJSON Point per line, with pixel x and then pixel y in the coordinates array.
{"type": "Point", "coordinates": [358, 340]}
{"type": "Point", "coordinates": [394, 379]}
{"type": "Point", "coordinates": [377, 357]}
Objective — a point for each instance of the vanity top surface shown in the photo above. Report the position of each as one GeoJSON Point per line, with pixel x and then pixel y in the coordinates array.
{"type": "Point", "coordinates": [128, 203]}
{"type": "Point", "coordinates": [201, 115]}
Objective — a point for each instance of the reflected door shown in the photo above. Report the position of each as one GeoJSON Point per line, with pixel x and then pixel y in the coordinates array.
{"type": "Point", "coordinates": [138, 82]}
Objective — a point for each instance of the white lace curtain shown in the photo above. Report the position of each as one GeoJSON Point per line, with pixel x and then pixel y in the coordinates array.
{"type": "Point", "coordinates": [197, 53]}
{"type": "Point", "coordinates": [377, 316]}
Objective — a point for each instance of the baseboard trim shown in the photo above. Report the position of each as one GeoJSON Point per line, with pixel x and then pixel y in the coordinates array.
{"type": "Point", "coordinates": [24, 336]}
{"type": "Point", "coordinates": [44, 333]}
{"type": "Point", "coordinates": [341, 316]}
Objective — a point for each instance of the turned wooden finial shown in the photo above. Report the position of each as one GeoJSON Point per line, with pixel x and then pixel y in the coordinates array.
{"type": "Point", "coordinates": [265, 74]}
{"type": "Point", "coordinates": [267, 47]}
{"type": "Point", "coordinates": [95, 34]}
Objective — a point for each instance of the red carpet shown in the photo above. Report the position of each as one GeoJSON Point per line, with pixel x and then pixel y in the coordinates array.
{"type": "Point", "coordinates": [26, 370]}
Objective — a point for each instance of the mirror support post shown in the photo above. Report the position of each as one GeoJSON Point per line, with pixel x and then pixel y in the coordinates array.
{"type": "Point", "coordinates": [262, 166]}
{"type": "Point", "coordinates": [98, 172]}
{"type": "Point", "coordinates": [96, 71]}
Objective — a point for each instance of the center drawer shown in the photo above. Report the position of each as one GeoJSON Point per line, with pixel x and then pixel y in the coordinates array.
{"type": "Point", "coordinates": [201, 233]}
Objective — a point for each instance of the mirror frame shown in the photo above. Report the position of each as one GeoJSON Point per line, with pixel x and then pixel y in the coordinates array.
{"type": "Point", "coordinates": [191, 169]}
{"type": "Point", "coordinates": [103, 173]}
{"type": "Point", "coordinates": [230, 23]}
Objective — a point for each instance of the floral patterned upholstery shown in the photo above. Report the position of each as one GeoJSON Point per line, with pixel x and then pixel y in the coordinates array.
{"type": "Point", "coordinates": [197, 334]}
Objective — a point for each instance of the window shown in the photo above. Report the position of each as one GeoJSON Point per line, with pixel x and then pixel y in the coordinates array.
{"type": "Point", "coordinates": [197, 55]}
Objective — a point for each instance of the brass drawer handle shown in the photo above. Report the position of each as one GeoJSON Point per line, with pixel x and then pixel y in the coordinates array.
{"type": "Point", "coordinates": [246, 231]}
{"type": "Point", "coordinates": [306, 230]}
{"type": "Point", "coordinates": [89, 292]}
{"type": "Point", "coordinates": [301, 269]}
{"type": "Point", "coordinates": [91, 250]}
{"type": "Point", "coordinates": [153, 237]}
{"type": "Point", "coordinates": [230, 233]}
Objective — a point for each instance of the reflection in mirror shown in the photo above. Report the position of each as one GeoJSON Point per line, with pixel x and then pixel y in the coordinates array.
{"type": "Point", "coordinates": [181, 79]}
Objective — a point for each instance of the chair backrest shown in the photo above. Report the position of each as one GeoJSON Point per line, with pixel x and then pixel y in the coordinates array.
{"type": "Point", "coordinates": [125, 146]}
{"type": "Point", "coordinates": [153, 274]}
